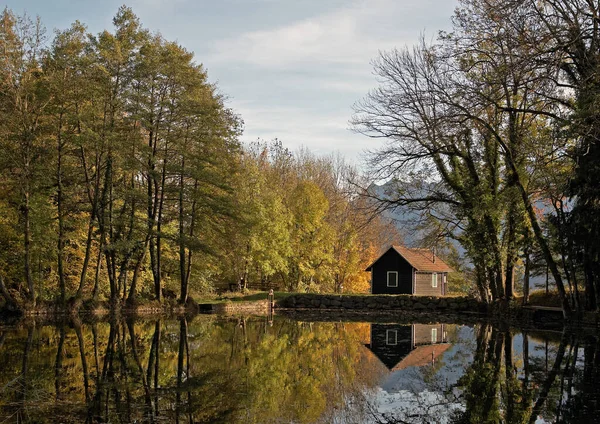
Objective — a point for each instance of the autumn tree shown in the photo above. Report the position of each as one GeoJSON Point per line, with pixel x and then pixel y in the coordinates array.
{"type": "Point", "coordinates": [24, 98]}
{"type": "Point", "coordinates": [470, 115]}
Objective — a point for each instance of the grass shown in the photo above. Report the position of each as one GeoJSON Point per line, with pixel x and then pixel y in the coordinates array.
{"type": "Point", "coordinates": [260, 296]}
{"type": "Point", "coordinates": [541, 298]}
{"type": "Point", "coordinates": [247, 296]}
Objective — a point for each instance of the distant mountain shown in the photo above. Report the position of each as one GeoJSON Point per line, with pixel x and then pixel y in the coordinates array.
{"type": "Point", "coordinates": [410, 220]}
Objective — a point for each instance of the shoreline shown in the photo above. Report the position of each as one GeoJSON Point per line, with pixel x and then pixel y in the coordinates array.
{"type": "Point", "coordinates": [316, 307]}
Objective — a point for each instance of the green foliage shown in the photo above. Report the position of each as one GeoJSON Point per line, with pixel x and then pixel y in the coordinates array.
{"type": "Point", "coordinates": [301, 225]}
{"type": "Point", "coordinates": [124, 151]}
{"type": "Point", "coordinates": [122, 175]}
{"type": "Point", "coordinates": [481, 134]}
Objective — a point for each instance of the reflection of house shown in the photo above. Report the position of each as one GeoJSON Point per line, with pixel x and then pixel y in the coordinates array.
{"type": "Point", "coordinates": [401, 270]}
{"type": "Point", "coordinates": [399, 346]}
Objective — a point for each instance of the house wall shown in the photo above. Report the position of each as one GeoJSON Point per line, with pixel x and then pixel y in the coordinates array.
{"type": "Point", "coordinates": [391, 261]}
{"type": "Point", "coordinates": [390, 342]}
{"type": "Point", "coordinates": [423, 284]}
{"type": "Point", "coordinates": [423, 334]}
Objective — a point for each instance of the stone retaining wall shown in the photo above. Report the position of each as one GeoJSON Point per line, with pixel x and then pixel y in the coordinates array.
{"type": "Point", "coordinates": [257, 307]}
{"type": "Point", "coordinates": [381, 303]}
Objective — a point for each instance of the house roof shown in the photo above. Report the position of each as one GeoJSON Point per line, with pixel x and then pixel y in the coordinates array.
{"type": "Point", "coordinates": [419, 259]}
{"type": "Point", "coordinates": [422, 355]}
{"type": "Point", "coordinates": [417, 357]}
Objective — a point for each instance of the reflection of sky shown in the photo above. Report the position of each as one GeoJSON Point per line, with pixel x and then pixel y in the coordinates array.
{"type": "Point", "coordinates": [435, 404]}
{"type": "Point", "coordinates": [410, 389]}
{"type": "Point", "coordinates": [415, 391]}
{"type": "Point", "coordinates": [454, 361]}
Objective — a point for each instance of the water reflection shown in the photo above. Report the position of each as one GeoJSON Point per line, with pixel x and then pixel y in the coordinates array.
{"type": "Point", "coordinates": [212, 370]}
{"type": "Point", "coordinates": [399, 346]}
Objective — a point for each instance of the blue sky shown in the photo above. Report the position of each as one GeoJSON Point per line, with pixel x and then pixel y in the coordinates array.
{"type": "Point", "coordinates": [291, 68]}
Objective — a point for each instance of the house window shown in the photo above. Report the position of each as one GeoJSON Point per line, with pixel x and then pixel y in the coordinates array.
{"type": "Point", "coordinates": [391, 337]}
{"type": "Point", "coordinates": [392, 279]}
{"type": "Point", "coordinates": [434, 335]}
{"type": "Point", "coordinates": [434, 280]}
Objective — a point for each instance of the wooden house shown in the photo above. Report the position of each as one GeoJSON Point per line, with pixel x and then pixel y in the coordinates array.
{"type": "Point", "coordinates": [401, 270]}
{"type": "Point", "coordinates": [399, 346]}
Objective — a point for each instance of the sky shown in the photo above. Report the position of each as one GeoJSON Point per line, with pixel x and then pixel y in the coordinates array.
{"type": "Point", "coordinates": [291, 68]}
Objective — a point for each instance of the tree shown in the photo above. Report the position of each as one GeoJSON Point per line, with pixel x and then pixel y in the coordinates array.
{"type": "Point", "coordinates": [260, 243]}
{"type": "Point", "coordinates": [569, 51]}
{"type": "Point", "coordinates": [465, 115]}
{"type": "Point", "coordinates": [24, 97]}
{"type": "Point", "coordinates": [310, 237]}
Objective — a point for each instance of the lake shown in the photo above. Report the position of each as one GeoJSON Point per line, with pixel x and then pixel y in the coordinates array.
{"type": "Point", "coordinates": [213, 369]}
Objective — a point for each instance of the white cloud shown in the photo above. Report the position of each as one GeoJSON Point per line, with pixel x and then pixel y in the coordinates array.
{"type": "Point", "coordinates": [297, 81]}
{"type": "Point", "coordinates": [156, 4]}
{"type": "Point", "coordinates": [350, 36]}
{"type": "Point", "coordinates": [302, 127]}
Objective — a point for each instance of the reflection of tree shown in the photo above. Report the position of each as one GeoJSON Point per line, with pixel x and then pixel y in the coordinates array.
{"type": "Point", "coordinates": [23, 378]}
{"type": "Point", "coordinates": [246, 371]}
{"type": "Point", "coordinates": [288, 372]}
{"type": "Point", "coordinates": [496, 385]}
{"type": "Point", "coordinates": [184, 353]}
{"type": "Point", "coordinates": [492, 396]}
{"type": "Point", "coordinates": [142, 376]}
{"type": "Point", "coordinates": [243, 371]}
{"type": "Point", "coordinates": [84, 367]}
{"type": "Point", "coordinates": [58, 365]}
{"type": "Point", "coordinates": [582, 391]}
{"type": "Point", "coordinates": [122, 392]}
{"type": "Point", "coordinates": [549, 380]}
{"type": "Point", "coordinates": [482, 378]}
{"type": "Point", "coordinates": [153, 368]}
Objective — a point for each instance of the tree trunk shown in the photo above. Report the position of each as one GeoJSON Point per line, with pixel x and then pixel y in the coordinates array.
{"type": "Point", "coordinates": [61, 223]}
{"type": "Point", "coordinates": [27, 242]}
{"type": "Point", "coordinates": [191, 237]}
{"type": "Point", "coordinates": [137, 268]}
{"type": "Point", "coordinates": [7, 296]}
{"type": "Point", "coordinates": [541, 240]}
{"type": "Point", "coordinates": [156, 257]}
{"type": "Point", "coordinates": [511, 252]}
{"type": "Point", "coordinates": [95, 291]}
{"type": "Point", "coordinates": [86, 259]}
{"type": "Point", "coordinates": [182, 256]}
{"type": "Point", "coordinates": [496, 268]}
{"type": "Point", "coordinates": [105, 223]}
{"type": "Point", "coordinates": [526, 277]}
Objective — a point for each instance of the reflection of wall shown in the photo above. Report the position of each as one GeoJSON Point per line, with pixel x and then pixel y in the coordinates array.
{"type": "Point", "coordinates": [428, 334]}
{"type": "Point", "coordinates": [394, 343]}
{"type": "Point", "coordinates": [391, 342]}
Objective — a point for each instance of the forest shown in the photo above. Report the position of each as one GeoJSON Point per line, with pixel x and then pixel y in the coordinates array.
{"type": "Point", "coordinates": [123, 179]}
{"type": "Point", "coordinates": [492, 130]}
{"type": "Point", "coordinates": [123, 176]}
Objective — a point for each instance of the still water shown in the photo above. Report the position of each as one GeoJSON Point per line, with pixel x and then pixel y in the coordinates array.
{"type": "Point", "coordinates": [221, 370]}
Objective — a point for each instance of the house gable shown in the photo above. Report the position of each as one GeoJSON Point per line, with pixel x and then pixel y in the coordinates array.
{"type": "Point", "coordinates": [400, 346]}
{"type": "Point", "coordinates": [391, 274]}
{"type": "Point", "coordinates": [401, 270]}
{"type": "Point", "coordinates": [390, 343]}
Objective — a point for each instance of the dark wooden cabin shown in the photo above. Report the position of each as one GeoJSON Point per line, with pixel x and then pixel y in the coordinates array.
{"type": "Point", "coordinates": [399, 346]}
{"type": "Point", "coordinates": [401, 270]}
